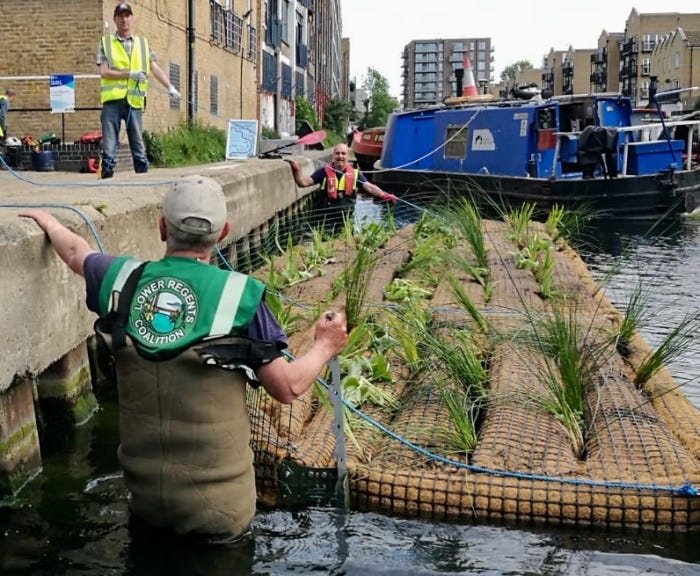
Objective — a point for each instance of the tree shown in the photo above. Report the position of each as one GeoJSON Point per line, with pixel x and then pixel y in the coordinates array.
{"type": "Point", "coordinates": [380, 104]}
{"type": "Point", "coordinates": [304, 112]}
{"type": "Point", "coordinates": [336, 116]}
{"type": "Point", "coordinates": [511, 71]}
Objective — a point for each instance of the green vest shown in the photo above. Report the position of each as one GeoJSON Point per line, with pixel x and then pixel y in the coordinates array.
{"type": "Point", "coordinates": [118, 59]}
{"type": "Point", "coordinates": [179, 302]}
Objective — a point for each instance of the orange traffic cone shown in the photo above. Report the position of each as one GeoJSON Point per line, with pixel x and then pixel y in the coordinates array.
{"type": "Point", "coordinates": [469, 86]}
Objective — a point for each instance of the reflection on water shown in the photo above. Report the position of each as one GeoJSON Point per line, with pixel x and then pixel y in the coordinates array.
{"type": "Point", "coordinates": [73, 519]}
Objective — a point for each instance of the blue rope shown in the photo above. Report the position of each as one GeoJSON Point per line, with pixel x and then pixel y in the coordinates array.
{"type": "Point", "coordinates": [61, 206]}
{"type": "Point", "coordinates": [683, 490]}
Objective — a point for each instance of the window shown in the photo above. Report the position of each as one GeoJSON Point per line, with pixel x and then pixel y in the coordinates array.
{"type": "Point", "coordinates": [214, 95]}
{"type": "Point", "coordinates": [645, 66]}
{"type": "Point", "coordinates": [174, 77]}
{"type": "Point", "coordinates": [217, 22]}
{"type": "Point", "coordinates": [648, 42]}
{"type": "Point", "coordinates": [234, 32]}
{"type": "Point", "coordinates": [252, 42]}
{"type": "Point", "coordinates": [677, 59]}
{"type": "Point", "coordinates": [456, 141]}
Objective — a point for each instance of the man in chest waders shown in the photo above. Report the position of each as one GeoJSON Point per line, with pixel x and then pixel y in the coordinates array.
{"type": "Point", "coordinates": [187, 338]}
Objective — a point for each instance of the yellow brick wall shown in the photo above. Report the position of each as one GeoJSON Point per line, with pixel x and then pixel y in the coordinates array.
{"type": "Point", "coordinates": [43, 37]}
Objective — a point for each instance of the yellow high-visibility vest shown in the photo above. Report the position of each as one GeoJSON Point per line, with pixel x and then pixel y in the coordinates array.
{"type": "Point", "coordinates": [118, 59]}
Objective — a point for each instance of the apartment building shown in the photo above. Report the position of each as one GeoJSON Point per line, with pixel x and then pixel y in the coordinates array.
{"type": "Point", "coordinates": [428, 68]}
{"type": "Point", "coordinates": [675, 63]}
{"type": "Point", "coordinates": [626, 62]}
{"type": "Point", "coordinates": [553, 72]}
{"type": "Point", "coordinates": [605, 62]}
{"type": "Point", "coordinates": [642, 33]}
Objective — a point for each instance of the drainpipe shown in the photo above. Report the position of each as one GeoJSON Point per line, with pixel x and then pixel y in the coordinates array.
{"type": "Point", "coordinates": [190, 62]}
{"type": "Point", "coordinates": [246, 22]}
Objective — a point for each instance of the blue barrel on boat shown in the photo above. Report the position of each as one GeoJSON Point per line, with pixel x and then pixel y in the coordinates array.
{"type": "Point", "coordinates": [43, 160]}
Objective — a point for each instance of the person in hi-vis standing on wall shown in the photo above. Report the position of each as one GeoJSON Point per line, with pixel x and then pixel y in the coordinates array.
{"type": "Point", "coordinates": [125, 62]}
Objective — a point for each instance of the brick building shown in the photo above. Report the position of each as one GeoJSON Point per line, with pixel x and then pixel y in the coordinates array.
{"type": "Point", "coordinates": [212, 59]}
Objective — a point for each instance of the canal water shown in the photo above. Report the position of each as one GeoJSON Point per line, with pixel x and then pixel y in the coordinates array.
{"type": "Point", "coordinates": [73, 520]}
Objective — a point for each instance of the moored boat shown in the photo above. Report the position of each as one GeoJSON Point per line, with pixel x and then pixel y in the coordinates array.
{"type": "Point", "coordinates": [367, 146]}
{"type": "Point", "coordinates": [576, 151]}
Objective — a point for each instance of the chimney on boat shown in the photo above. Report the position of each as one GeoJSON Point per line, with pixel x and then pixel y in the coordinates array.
{"type": "Point", "coordinates": [459, 75]}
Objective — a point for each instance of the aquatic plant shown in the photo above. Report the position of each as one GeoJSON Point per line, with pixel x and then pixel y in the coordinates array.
{"type": "Point", "coordinates": [466, 219]}
{"type": "Point", "coordinates": [466, 303]}
{"type": "Point", "coordinates": [677, 341]}
{"type": "Point", "coordinates": [405, 291]}
{"type": "Point", "coordinates": [518, 221]}
{"type": "Point", "coordinates": [570, 346]}
{"type": "Point", "coordinates": [636, 312]}
{"type": "Point", "coordinates": [355, 277]}
{"type": "Point", "coordinates": [285, 311]}
{"type": "Point", "coordinates": [555, 221]}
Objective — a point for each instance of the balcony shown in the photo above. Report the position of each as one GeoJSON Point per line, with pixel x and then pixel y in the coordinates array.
{"type": "Point", "coordinates": [629, 47]}
{"type": "Point", "coordinates": [629, 70]}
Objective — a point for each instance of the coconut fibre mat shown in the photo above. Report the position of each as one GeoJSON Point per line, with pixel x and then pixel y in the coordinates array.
{"type": "Point", "coordinates": [633, 461]}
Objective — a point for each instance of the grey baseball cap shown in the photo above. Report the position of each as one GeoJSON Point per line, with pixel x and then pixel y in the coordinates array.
{"type": "Point", "coordinates": [196, 205]}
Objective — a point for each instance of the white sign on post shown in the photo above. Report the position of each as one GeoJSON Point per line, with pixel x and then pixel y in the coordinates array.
{"type": "Point", "coordinates": [62, 93]}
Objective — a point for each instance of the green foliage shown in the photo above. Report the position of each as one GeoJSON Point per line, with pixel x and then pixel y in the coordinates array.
{"type": "Point", "coordinates": [304, 111]}
{"type": "Point", "coordinates": [337, 115]}
{"type": "Point", "coordinates": [154, 148]}
{"type": "Point", "coordinates": [511, 71]}
{"type": "Point", "coordinates": [269, 133]}
{"type": "Point", "coordinates": [676, 343]}
{"type": "Point", "coordinates": [405, 292]}
{"type": "Point", "coordinates": [561, 338]}
{"type": "Point", "coordinates": [186, 145]}
{"type": "Point", "coordinates": [636, 312]}
{"type": "Point", "coordinates": [380, 104]}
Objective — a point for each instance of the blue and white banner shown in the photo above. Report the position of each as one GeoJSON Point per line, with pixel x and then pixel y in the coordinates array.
{"type": "Point", "coordinates": [62, 93]}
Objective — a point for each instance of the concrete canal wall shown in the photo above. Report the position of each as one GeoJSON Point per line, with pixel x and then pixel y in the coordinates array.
{"type": "Point", "coordinates": [46, 329]}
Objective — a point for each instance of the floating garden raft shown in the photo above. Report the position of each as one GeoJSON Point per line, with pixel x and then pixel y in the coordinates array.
{"type": "Point", "coordinates": [465, 409]}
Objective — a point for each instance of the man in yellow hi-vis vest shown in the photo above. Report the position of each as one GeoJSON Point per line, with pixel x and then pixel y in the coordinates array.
{"type": "Point", "coordinates": [125, 61]}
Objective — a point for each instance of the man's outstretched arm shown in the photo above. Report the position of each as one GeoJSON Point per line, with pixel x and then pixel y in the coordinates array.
{"type": "Point", "coordinates": [70, 247]}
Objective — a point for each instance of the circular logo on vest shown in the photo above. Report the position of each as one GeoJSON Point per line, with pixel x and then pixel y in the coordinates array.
{"type": "Point", "coordinates": [165, 310]}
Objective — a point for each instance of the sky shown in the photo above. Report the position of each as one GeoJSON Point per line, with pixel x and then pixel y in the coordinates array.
{"type": "Point", "coordinates": [519, 29]}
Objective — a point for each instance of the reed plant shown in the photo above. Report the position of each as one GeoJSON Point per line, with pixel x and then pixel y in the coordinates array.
{"type": "Point", "coordinates": [571, 360]}
{"type": "Point", "coordinates": [407, 325]}
{"type": "Point", "coordinates": [461, 434]}
{"type": "Point", "coordinates": [464, 217]}
{"type": "Point", "coordinates": [636, 312]}
{"type": "Point", "coordinates": [357, 273]}
{"type": "Point", "coordinates": [554, 224]}
{"type": "Point", "coordinates": [676, 343]}
{"type": "Point", "coordinates": [284, 311]}
{"type": "Point", "coordinates": [458, 371]}
{"type": "Point", "coordinates": [518, 221]}
{"type": "Point", "coordinates": [467, 304]}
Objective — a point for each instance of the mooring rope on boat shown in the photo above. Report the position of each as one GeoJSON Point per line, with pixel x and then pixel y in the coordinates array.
{"type": "Point", "coordinates": [428, 154]}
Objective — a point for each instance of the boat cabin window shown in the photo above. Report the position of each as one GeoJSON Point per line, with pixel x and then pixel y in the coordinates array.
{"type": "Point", "coordinates": [546, 119]}
{"type": "Point", "coordinates": [456, 141]}
{"type": "Point", "coordinates": [575, 116]}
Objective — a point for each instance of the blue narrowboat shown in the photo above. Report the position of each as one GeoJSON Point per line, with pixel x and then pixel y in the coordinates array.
{"type": "Point", "coordinates": [576, 151]}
